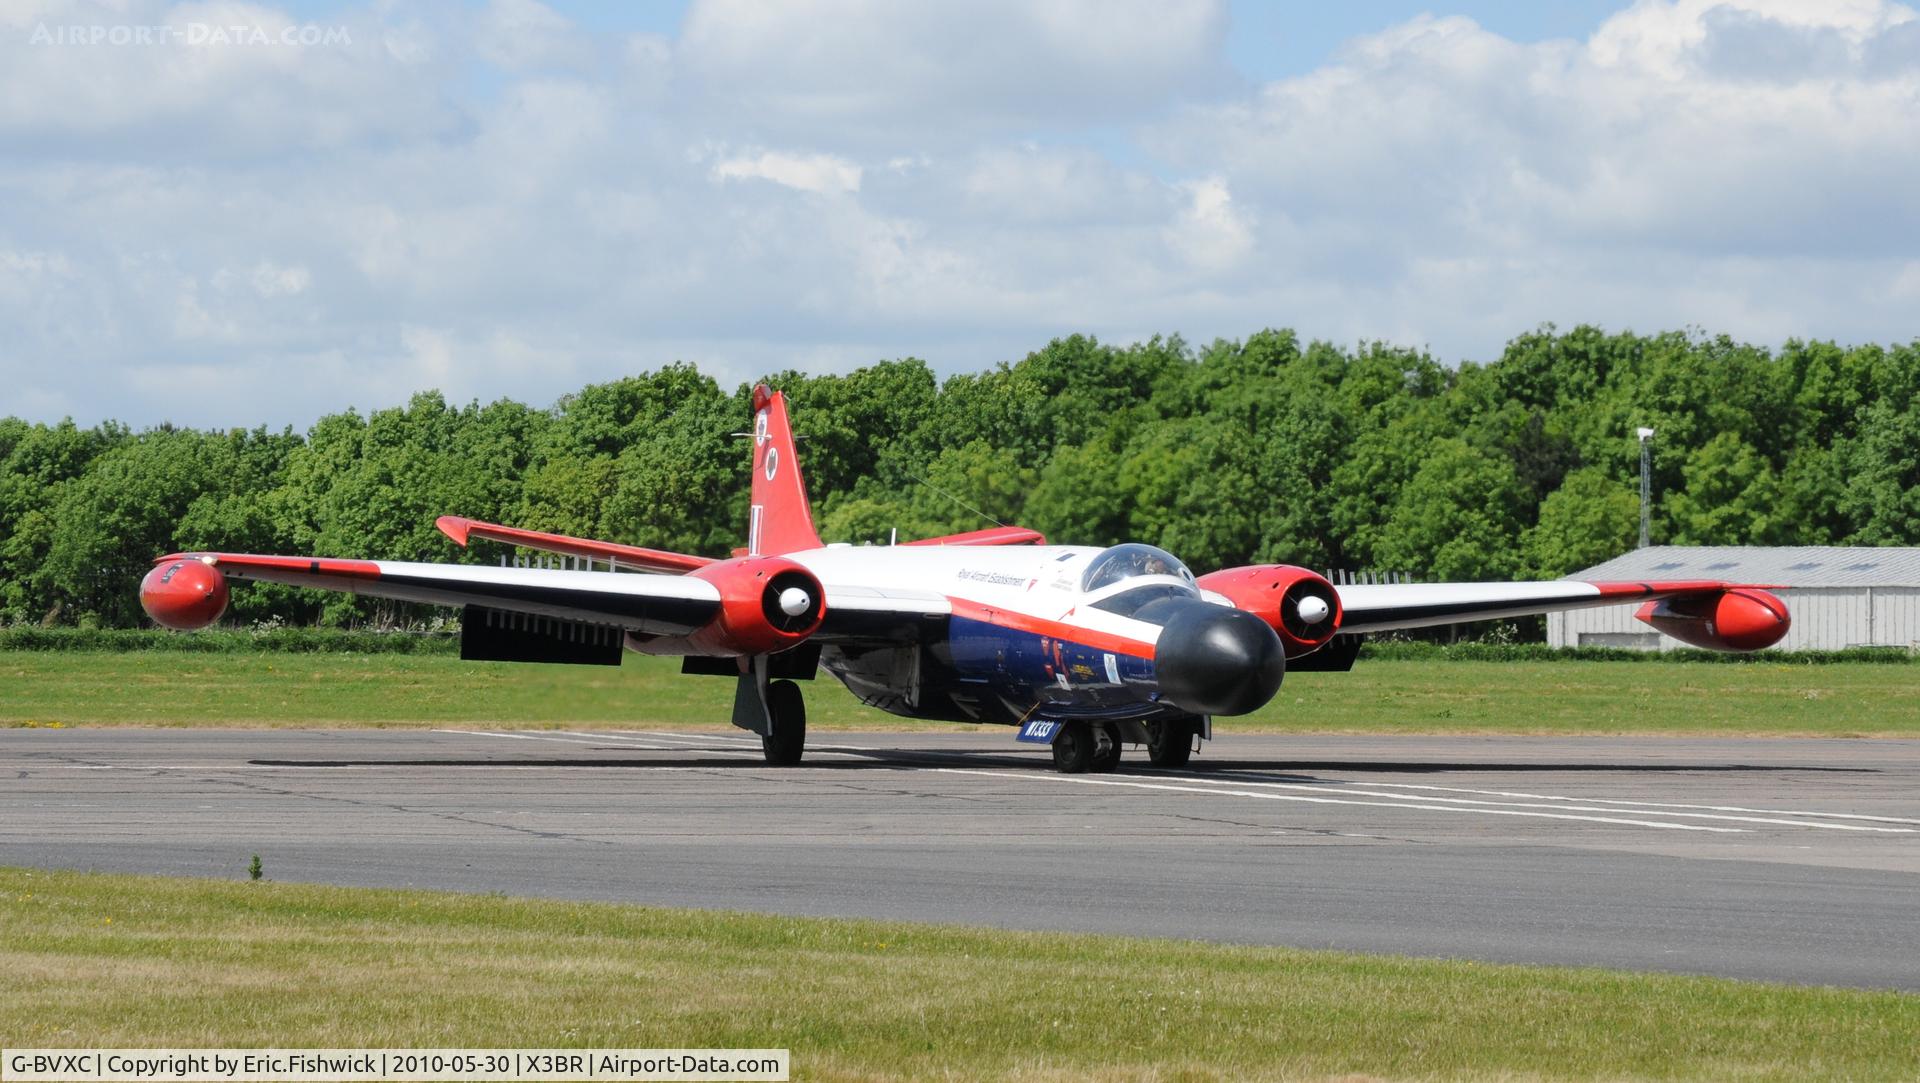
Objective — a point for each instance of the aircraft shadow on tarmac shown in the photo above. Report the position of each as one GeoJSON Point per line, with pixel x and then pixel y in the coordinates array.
{"type": "Point", "coordinates": [880, 760]}
{"type": "Point", "coordinates": [1392, 767]}
{"type": "Point", "coordinates": [610, 764]}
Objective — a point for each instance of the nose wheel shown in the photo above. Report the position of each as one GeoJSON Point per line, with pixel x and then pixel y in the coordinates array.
{"type": "Point", "coordinates": [1083, 747]}
{"type": "Point", "coordinates": [1169, 744]}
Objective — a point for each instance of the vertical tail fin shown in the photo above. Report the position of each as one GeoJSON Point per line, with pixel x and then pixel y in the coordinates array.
{"type": "Point", "coordinates": [781, 520]}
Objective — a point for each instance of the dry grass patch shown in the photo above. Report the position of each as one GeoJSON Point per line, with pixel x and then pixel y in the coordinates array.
{"type": "Point", "coordinates": [118, 960]}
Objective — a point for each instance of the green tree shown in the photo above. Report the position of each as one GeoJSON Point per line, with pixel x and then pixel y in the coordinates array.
{"type": "Point", "coordinates": [1590, 518]}
{"type": "Point", "coordinates": [1080, 498]}
{"type": "Point", "coordinates": [1882, 494]}
{"type": "Point", "coordinates": [1732, 497]}
{"type": "Point", "coordinates": [111, 523]}
{"type": "Point", "coordinates": [1452, 520]}
{"type": "Point", "coordinates": [856, 426]}
{"type": "Point", "coordinates": [1192, 488]}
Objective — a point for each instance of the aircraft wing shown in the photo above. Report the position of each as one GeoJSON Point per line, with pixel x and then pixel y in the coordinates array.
{"type": "Point", "coordinates": [872, 615]}
{"type": "Point", "coordinates": [1386, 607]}
{"type": "Point", "coordinates": [647, 605]}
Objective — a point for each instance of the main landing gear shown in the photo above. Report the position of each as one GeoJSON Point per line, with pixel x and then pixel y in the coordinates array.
{"type": "Point", "coordinates": [786, 738]}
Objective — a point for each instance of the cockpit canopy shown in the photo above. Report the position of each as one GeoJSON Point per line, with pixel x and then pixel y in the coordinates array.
{"type": "Point", "coordinates": [1132, 561]}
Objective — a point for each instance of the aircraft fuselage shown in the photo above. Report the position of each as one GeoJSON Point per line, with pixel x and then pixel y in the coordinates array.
{"type": "Point", "coordinates": [1023, 638]}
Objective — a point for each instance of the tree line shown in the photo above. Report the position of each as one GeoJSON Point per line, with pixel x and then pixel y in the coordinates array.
{"type": "Point", "coordinates": [1266, 449]}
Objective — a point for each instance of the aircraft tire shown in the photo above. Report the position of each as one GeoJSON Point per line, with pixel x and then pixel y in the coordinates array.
{"type": "Point", "coordinates": [784, 746]}
{"type": "Point", "coordinates": [1106, 754]}
{"type": "Point", "coordinates": [1073, 749]}
{"type": "Point", "coordinates": [1169, 744]}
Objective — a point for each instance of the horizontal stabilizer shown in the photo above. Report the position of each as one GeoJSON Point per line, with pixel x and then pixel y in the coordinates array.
{"type": "Point", "coordinates": [993, 535]}
{"type": "Point", "coordinates": [631, 557]}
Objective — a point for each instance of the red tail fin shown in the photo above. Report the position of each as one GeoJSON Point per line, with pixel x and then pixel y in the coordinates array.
{"type": "Point", "coordinates": [781, 520]}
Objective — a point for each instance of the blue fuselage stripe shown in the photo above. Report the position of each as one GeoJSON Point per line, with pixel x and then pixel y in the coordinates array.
{"type": "Point", "coordinates": [1065, 678]}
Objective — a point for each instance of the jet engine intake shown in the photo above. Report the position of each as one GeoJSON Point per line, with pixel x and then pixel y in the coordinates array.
{"type": "Point", "coordinates": [767, 604]}
{"type": "Point", "coordinates": [184, 594]}
{"type": "Point", "coordinates": [1299, 604]}
{"type": "Point", "coordinates": [1740, 619]}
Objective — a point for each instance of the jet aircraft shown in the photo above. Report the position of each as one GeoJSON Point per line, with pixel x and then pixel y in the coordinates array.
{"type": "Point", "coordinates": [1085, 649]}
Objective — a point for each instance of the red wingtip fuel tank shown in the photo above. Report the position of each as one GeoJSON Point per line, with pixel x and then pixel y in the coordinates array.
{"type": "Point", "coordinates": [1300, 605]}
{"type": "Point", "coordinates": [183, 594]}
{"type": "Point", "coordinates": [1740, 619]}
{"type": "Point", "coordinates": [767, 604]}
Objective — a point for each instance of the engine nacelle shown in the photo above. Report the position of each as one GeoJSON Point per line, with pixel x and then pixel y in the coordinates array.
{"type": "Point", "coordinates": [1741, 619]}
{"type": "Point", "coordinates": [184, 594]}
{"type": "Point", "coordinates": [1300, 605]}
{"type": "Point", "coordinates": [767, 604]}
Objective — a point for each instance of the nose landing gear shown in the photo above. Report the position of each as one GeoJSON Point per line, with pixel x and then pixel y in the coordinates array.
{"type": "Point", "coordinates": [1170, 744]}
{"type": "Point", "coordinates": [1082, 747]}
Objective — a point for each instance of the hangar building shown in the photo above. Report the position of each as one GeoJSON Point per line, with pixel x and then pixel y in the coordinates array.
{"type": "Point", "coordinates": [1842, 596]}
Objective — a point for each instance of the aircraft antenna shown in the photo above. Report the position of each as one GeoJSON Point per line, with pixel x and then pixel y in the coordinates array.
{"type": "Point", "coordinates": [954, 498]}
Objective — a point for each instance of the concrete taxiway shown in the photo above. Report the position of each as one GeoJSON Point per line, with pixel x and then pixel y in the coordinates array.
{"type": "Point", "coordinates": [1791, 860]}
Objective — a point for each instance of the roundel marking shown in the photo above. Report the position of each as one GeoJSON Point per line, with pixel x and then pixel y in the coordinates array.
{"type": "Point", "coordinates": [760, 427]}
{"type": "Point", "coordinates": [773, 462]}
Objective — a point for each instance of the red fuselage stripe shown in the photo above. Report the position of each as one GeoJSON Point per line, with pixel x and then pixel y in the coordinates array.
{"type": "Point", "coordinates": [1072, 633]}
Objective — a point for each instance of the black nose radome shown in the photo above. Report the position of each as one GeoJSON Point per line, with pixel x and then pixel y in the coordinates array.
{"type": "Point", "coordinates": [1211, 659]}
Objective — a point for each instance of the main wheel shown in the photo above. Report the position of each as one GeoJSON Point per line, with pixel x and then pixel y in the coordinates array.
{"type": "Point", "coordinates": [1073, 749]}
{"type": "Point", "coordinates": [1169, 744]}
{"type": "Point", "coordinates": [1106, 752]}
{"type": "Point", "coordinates": [784, 745]}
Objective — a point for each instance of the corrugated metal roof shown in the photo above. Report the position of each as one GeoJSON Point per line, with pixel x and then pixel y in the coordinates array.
{"type": "Point", "coordinates": [1797, 565]}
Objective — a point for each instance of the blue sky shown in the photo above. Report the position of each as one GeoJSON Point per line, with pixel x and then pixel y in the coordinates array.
{"type": "Point", "coordinates": [511, 198]}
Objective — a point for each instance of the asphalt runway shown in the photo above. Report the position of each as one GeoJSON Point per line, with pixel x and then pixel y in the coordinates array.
{"type": "Point", "coordinates": [1791, 860]}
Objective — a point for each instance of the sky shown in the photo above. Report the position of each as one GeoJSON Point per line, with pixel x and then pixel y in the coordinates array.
{"type": "Point", "coordinates": [226, 214]}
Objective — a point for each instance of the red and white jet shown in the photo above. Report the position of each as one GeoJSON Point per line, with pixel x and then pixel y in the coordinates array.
{"type": "Point", "coordinates": [1085, 649]}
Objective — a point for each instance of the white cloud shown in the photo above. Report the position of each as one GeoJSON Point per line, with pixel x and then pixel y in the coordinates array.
{"type": "Point", "coordinates": [271, 280]}
{"type": "Point", "coordinates": [1641, 178]}
{"type": "Point", "coordinates": [1038, 186]}
{"type": "Point", "coordinates": [526, 35]}
{"type": "Point", "coordinates": [878, 71]}
{"type": "Point", "coordinates": [177, 90]}
{"type": "Point", "coordinates": [1675, 38]}
{"type": "Point", "coordinates": [428, 354]}
{"type": "Point", "coordinates": [1209, 232]}
{"type": "Point", "coordinates": [1905, 284]}
{"type": "Point", "coordinates": [822, 173]}
{"type": "Point", "coordinates": [24, 274]}
{"type": "Point", "coordinates": [497, 203]}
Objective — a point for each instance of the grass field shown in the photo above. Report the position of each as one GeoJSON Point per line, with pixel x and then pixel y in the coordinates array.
{"type": "Point", "coordinates": [268, 689]}
{"type": "Point", "coordinates": [101, 960]}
